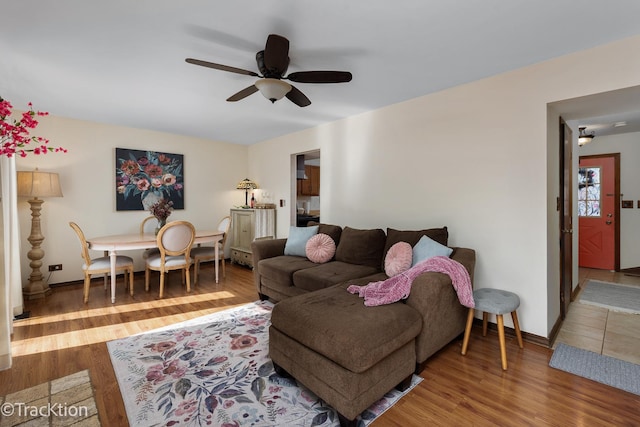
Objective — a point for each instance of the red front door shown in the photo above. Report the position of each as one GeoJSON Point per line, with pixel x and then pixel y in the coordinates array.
{"type": "Point", "coordinates": [597, 212]}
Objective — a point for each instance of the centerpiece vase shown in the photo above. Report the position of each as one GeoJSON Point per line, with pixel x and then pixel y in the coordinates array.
{"type": "Point", "coordinates": [161, 223]}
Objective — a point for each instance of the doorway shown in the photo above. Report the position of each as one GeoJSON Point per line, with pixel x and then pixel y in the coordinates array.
{"type": "Point", "coordinates": [598, 189]}
{"type": "Point", "coordinates": [307, 188]}
{"type": "Point", "coordinates": [600, 113]}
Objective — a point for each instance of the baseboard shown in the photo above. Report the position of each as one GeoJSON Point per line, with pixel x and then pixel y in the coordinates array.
{"type": "Point", "coordinates": [555, 331]}
{"type": "Point", "coordinates": [633, 271]}
{"type": "Point", "coordinates": [510, 332]}
{"type": "Point", "coordinates": [100, 278]}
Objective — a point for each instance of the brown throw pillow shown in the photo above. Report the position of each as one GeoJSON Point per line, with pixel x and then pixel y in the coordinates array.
{"type": "Point", "coordinates": [440, 235]}
{"type": "Point", "coordinates": [361, 247]}
{"type": "Point", "coordinates": [332, 230]}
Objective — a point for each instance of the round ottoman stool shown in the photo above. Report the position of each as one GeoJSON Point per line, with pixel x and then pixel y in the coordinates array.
{"type": "Point", "coordinates": [498, 302]}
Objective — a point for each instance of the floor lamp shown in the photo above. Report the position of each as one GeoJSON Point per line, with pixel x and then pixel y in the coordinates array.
{"type": "Point", "coordinates": [37, 184]}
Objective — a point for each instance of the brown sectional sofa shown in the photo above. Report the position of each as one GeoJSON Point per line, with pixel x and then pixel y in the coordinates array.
{"type": "Point", "coordinates": [281, 276]}
{"type": "Point", "coordinates": [349, 354]}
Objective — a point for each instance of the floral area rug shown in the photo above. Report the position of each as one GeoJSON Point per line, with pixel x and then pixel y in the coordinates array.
{"type": "Point", "coordinates": [215, 371]}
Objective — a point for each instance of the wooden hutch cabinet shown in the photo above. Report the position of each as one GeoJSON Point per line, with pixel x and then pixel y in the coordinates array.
{"type": "Point", "coordinates": [246, 226]}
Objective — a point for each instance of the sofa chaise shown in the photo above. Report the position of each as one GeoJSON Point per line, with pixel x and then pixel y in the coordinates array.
{"type": "Point", "coordinates": [347, 353]}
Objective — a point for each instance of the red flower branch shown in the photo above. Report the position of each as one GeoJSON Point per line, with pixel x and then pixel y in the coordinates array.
{"type": "Point", "coordinates": [14, 134]}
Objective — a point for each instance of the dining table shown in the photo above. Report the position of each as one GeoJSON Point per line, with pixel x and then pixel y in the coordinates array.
{"type": "Point", "coordinates": [113, 244]}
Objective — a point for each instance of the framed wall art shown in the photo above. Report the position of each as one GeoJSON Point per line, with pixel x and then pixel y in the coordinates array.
{"type": "Point", "coordinates": [145, 177]}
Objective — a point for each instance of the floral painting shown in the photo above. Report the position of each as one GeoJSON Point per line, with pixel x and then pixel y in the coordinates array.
{"type": "Point", "coordinates": [145, 177]}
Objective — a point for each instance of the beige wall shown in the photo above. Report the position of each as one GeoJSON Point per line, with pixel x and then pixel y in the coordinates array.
{"type": "Point", "coordinates": [480, 158]}
{"type": "Point", "coordinates": [87, 174]}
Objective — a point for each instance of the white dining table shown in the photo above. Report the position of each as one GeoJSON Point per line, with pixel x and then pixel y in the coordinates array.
{"type": "Point", "coordinates": [127, 242]}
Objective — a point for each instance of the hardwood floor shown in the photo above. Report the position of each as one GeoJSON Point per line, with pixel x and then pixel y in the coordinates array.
{"type": "Point", "coordinates": [64, 336]}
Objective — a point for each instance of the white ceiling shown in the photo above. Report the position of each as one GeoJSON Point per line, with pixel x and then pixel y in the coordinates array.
{"type": "Point", "coordinates": [603, 114]}
{"type": "Point", "coordinates": [122, 62]}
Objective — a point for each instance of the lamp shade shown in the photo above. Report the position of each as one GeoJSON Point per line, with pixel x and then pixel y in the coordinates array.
{"type": "Point", "coordinates": [273, 89]}
{"type": "Point", "coordinates": [583, 137]}
{"type": "Point", "coordinates": [246, 184]}
{"type": "Point", "coordinates": [38, 184]}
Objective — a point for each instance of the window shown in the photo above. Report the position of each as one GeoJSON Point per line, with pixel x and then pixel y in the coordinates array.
{"type": "Point", "coordinates": [589, 192]}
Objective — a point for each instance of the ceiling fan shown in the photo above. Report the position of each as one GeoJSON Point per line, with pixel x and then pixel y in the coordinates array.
{"type": "Point", "coordinates": [273, 62]}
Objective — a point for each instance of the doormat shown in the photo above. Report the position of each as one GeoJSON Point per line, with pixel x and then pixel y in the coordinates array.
{"type": "Point", "coordinates": [612, 296]}
{"type": "Point", "coordinates": [64, 401]}
{"type": "Point", "coordinates": [597, 367]}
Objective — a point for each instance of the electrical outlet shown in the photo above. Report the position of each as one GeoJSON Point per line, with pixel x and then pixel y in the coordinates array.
{"type": "Point", "coordinates": [55, 267]}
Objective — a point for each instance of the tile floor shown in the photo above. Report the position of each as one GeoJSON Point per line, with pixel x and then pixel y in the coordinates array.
{"type": "Point", "coordinates": [600, 330]}
{"type": "Point", "coordinates": [60, 402]}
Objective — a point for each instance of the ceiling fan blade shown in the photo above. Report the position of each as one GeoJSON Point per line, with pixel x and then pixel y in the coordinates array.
{"type": "Point", "coordinates": [276, 54]}
{"type": "Point", "coordinates": [243, 93]}
{"type": "Point", "coordinates": [221, 67]}
{"type": "Point", "coordinates": [297, 97]}
{"type": "Point", "coordinates": [320, 77]}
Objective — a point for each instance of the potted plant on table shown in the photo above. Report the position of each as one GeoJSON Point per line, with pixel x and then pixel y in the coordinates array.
{"type": "Point", "coordinates": [161, 210]}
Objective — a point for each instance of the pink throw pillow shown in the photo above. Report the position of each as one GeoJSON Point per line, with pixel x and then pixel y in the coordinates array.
{"type": "Point", "coordinates": [398, 259]}
{"type": "Point", "coordinates": [320, 248]}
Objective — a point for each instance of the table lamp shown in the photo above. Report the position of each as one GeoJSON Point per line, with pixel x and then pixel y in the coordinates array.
{"type": "Point", "coordinates": [246, 185]}
{"type": "Point", "coordinates": [37, 184]}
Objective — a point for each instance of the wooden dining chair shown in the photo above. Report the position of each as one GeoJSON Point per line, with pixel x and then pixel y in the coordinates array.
{"type": "Point", "coordinates": [208, 253]}
{"type": "Point", "coordinates": [143, 226]}
{"type": "Point", "coordinates": [174, 242]}
{"type": "Point", "coordinates": [101, 265]}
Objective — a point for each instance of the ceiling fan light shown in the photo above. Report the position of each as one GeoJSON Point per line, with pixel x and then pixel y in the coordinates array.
{"type": "Point", "coordinates": [273, 89]}
{"type": "Point", "coordinates": [584, 138]}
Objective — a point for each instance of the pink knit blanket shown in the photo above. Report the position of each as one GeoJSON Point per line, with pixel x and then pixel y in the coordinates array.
{"type": "Point", "coordinates": [398, 287]}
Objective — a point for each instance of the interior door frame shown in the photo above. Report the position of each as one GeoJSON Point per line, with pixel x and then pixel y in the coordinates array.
{"type": "Point", "coordinates": [565, 213]}
{"type": "Point", "coordinates": [616, 203]}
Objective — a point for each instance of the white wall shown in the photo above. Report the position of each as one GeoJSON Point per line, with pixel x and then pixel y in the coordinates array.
{"type": "Point", "coordinates": [87, 175]}
{"type": "Point", "coordinates": [480, 158]}
{"type": "Point", "coordinates": [628, 145]}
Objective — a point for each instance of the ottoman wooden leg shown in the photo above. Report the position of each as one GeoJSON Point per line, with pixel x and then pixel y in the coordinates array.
{"type": "Point", "coordinates": [467, 331]}
{"type": "Point", "coordinates": [503, 347]}
{"type": "Point", "coordinates": [516, 326]}
{"type": "Point", "coordinates": [485, 320]}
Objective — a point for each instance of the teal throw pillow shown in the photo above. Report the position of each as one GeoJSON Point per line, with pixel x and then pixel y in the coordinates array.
{"type": "Point", "coordinates": [428, 248]}
{"type": "Point", "coordinates": [297, 240]}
